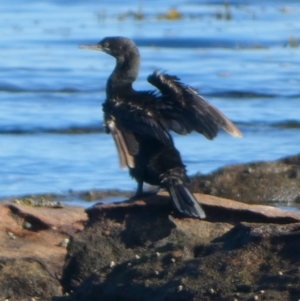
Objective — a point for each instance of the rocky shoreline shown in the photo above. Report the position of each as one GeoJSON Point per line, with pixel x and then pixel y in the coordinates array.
{"type": "Point", "coordinates": [144, 250]}
{"type": "Point", "coordinates": [254, 183]}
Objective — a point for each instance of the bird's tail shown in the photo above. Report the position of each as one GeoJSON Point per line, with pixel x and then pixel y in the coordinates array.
{"type": "Point", "coordinates": [182, 198]}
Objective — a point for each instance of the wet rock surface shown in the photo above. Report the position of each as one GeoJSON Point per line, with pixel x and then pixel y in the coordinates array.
{"type": "Point", "coordinates": [143, 251]}
{"type": "Point", "coordinates": [260, 182]}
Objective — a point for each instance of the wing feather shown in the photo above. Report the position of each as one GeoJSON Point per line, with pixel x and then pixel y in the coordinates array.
{"type": "Point", "coordinates": [138, 117]}
{"type": "Point", "coordinates": [125, 158]}
{"type": "Point", "coordinates": [183, 105]}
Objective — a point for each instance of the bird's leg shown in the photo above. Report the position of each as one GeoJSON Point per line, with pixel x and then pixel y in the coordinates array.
{"type": "Point", "coordinates": [140, 193]}
{"type": "Point", "coordinates": [139, 190]}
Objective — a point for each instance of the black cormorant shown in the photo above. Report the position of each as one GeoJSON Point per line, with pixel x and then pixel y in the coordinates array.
{"type": "Point", "coordinates": [139, 122]}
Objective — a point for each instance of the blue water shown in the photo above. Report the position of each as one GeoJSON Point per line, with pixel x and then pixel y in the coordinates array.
{"type": "Point", "coordinates": [51, 134]}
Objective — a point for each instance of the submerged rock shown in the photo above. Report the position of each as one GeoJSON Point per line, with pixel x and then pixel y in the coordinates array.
{"type": "Point", "coordinates": [260, 182]}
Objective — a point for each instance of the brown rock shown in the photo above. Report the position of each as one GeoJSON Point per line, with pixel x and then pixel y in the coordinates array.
{"type": "Point", "coordinates": [145, 250]}
{"type": "Point", "coordinates": [31, 259]}
{"type": "Point", "coordinates": [220, 209]}
{"type": "Point", "coordinates": [260, 182]}
{"type": "Point", "coordinates": [141, 250]}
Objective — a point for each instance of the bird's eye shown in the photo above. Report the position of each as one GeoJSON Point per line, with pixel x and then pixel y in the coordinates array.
{"type": "Point", "coordinates": [106, 44]}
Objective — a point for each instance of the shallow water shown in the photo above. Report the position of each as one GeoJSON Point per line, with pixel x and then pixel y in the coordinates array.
{"type": "Point", "coordinates": [51, 133]}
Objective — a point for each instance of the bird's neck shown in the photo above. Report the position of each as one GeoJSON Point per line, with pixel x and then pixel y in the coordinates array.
{"type": "Point", "coordinates": [123, 76]}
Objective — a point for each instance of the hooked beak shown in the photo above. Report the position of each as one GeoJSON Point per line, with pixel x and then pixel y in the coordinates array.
{"type": "Point", "coordinates": [91, 47]}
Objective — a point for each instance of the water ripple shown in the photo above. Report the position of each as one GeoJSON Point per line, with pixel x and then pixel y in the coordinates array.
{"type": "Point", "coordinates": [69, 130]}
{"type": "Point", "coordinates": [75, 130]}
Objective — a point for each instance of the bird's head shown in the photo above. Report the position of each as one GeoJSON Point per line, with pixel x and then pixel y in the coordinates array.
{"type": "Point", "coordinates": [119, 47]}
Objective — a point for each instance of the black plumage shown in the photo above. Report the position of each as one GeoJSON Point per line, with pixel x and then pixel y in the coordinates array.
{"type": "Point", "coordinates": [140, 121]}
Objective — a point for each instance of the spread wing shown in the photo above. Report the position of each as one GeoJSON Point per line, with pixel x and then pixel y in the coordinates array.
{"type": "Point", "coordinates": [128, 122]}
{"type": "Point", "coordinates": [184, 110]}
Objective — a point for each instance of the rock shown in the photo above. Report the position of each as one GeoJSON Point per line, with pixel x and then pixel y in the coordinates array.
{"type": "Point", "coordinates": [260, 182]}
{"type": "Point", "coordinates": [225, 210]}
{"type": "Point", "coordinates": [145, 250]}
{"type": "Point", "coordinates": [31, 259]}
{"type": "Point", "coordinates": [157, 254]}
